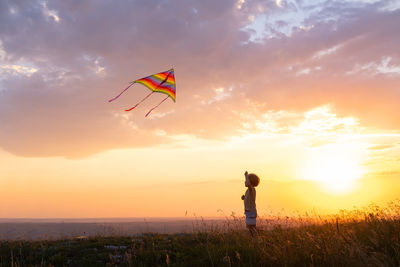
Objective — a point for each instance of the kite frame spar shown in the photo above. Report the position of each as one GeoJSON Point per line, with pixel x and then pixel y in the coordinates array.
{"type": "Point", "coordinates": [163, 82]}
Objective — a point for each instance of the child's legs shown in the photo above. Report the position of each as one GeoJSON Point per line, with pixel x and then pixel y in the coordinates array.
{"type": "Point", "coordinates": [251, 220]}
{"type": "Point", "coordinates": [253, 229]}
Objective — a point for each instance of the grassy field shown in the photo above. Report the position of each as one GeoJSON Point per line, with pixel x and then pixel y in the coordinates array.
{"type": "Point", "coordinates": [367, 237]}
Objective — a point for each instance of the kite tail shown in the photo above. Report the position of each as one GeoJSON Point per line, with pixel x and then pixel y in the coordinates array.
{"type": "Point", "coordinates": [156, 106]}
{"type": "Point", "coordinates": [140, 102]}
{"type": "Point", "coordinates": [121, 92]}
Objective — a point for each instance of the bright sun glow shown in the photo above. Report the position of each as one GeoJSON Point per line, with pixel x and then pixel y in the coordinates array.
{"type": "Point", "coordinates": [334, 167]}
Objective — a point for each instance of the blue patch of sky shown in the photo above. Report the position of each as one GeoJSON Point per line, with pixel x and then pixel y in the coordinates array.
{"type": "Point", "coordinates": [392, 5]}
{"type": "Point", "coordinates": [291, 15]}
{"type": "Point", "coordinates": [282, 19]}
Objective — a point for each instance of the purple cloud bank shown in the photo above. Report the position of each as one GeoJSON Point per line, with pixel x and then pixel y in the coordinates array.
{"type": "Point", "coordinates": [60, 61]}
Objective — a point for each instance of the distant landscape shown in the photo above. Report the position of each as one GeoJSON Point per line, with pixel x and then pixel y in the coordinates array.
{"type": "Point", "coordinates": [52, 229]}
{"type": "Point", "coordinates": [63, 228]}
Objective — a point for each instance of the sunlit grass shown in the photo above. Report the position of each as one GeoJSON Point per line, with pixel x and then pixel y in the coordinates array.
{"type": "Point", "coordinates": [361, 237]}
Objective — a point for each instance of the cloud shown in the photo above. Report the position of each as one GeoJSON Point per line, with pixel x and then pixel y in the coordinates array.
{"type": "Point", "coordinates": [387, 173]}
{"type": "Point", "coordinates": [384, 67]}
{"type": "Point", "coordinates": [17, 69]}
{"type": "Point", "coordinates": [381, 147]}
{"type": "Point", "coordinates": [50, 14]}
{"type": "Point", "coordinates": [83, 53]}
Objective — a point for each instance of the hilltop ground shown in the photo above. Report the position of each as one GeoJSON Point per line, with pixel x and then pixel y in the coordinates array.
{"type": "Point", "coordinates": [370, 237]}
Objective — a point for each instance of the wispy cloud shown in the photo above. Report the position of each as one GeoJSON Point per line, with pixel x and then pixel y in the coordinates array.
{"type": "Point", "coordinates": [383, 67]}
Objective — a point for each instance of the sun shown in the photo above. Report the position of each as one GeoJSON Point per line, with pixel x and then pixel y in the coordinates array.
{"type": "Point", "coordinates": [336, 168]}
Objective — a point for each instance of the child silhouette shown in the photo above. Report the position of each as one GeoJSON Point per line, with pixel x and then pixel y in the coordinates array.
{"type": "Point", "coordinates": [250, 210]}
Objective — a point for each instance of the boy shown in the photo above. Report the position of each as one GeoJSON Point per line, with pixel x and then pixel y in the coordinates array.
{"type": "Point", "coordinates": [251, 181]}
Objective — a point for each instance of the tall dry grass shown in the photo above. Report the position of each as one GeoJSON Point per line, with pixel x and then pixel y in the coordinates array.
{"type": "Point", "coordinates": [361, 237]}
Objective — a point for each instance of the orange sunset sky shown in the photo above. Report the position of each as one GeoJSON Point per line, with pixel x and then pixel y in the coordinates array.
{"type": "Point", "coordinates": [303, 93]}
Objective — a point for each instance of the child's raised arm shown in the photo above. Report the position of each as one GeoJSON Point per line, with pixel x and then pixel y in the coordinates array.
{"type": "Point", "coordinates": [248, 183]}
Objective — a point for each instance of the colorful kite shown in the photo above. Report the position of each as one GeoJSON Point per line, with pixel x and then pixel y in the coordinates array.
{"type": "Point", "coordinates": [163, 82]}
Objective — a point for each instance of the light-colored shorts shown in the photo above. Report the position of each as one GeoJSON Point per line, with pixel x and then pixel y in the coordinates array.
{"type": "Point", "coordinates": [251, 217]}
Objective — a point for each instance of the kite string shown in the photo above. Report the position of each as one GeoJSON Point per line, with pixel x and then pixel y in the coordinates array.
{"type": "Point", "coordinates": [140, 102]}
{"type": "Point", "coordinates": [156, 106]}
{"type": "Point", "coordinates": [121, 92]}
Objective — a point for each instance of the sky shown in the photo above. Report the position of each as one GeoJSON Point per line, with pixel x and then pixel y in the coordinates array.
{"type": "Point", "coordinates": [303, 93]}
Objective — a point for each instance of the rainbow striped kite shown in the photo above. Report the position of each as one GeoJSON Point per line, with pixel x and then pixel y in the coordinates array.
{"type": "Point", "coordinates": [163, 82]}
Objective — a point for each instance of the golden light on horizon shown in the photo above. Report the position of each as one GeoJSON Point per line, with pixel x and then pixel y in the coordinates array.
{"type": "Point", "coordinates": [336, 168]}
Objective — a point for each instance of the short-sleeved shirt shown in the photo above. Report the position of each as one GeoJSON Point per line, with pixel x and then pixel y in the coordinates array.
{"type": "Point", "coordinates": [250, 200]}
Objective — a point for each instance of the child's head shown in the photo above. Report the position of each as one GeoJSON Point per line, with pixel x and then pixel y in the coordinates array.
{"type": "Point", "coordinates": [254, 180]}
